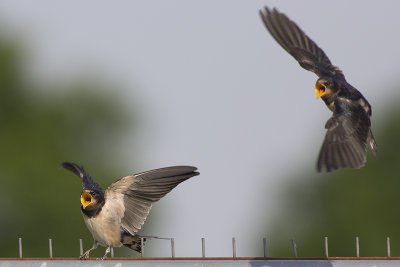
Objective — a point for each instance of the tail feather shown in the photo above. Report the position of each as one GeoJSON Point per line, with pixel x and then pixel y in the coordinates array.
{"type": "Point", "coordinates": [134, 243]}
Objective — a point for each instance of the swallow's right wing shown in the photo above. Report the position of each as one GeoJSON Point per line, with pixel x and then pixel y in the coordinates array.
{"type": "Point", "coordinates": [298, 44]}
{"type": "Point", "coordinates": [141, 190]}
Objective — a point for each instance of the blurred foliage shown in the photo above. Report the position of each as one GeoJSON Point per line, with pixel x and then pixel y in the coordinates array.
{"type": "Point", "coordinates": [40, 127]}
{"type": "Point", "coordinates": [345, 204]}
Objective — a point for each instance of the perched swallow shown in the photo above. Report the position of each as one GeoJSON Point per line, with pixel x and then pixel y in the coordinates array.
{"type": "Point", "coordinates": [349, 129]}
{"type": "Point", "coordinates": [113, 217]}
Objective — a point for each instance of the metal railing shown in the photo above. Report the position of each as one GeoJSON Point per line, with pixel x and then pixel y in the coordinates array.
{"type": "Point", "coordinates": [234, 252]}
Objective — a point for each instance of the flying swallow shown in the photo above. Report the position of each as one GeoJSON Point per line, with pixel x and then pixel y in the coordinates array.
{"type": "Point", "coordinates": [349, 129]}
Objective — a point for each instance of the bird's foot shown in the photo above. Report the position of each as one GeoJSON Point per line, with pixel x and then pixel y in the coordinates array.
{"type": "Point", "coordinates": [108, 249]}
{"type": "Point", "coordinates": [85, 255]}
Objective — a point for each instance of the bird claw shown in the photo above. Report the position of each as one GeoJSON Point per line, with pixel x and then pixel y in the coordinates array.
{"type": "Point", "coordinates": [108, 250]}
{"type": "Point", "coordinates": [84, 256]}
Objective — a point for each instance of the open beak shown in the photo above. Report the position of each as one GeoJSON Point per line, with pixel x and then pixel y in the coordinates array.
{"type": "Point", "coordinates": [86, 199]}
{"type": "Point", "coordinates": [319, 89]}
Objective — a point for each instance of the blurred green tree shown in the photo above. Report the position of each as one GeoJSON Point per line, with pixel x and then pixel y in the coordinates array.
{"type": "Point", "coordinates": [40, 127]}
{"type": "Point", "coordinates": [344, 204]}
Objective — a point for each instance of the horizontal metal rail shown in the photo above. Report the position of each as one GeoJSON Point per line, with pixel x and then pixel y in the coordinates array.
{"type": "Point", "coordinates": [208, 262]}
{"type": "Point", "coordinates": [203, 249]}
{"type": "Point", "coordinates": [209, 258]}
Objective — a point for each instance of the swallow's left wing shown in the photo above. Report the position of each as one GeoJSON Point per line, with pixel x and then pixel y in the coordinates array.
{"type": "Point", "coordinates": [345, 143]}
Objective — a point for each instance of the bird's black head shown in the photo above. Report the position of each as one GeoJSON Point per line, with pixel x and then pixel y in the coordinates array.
{"type": "Point", "coordinates": [325, 87]}
{"type": "Point", "coordinates": [92, 196]}
{"type": "Point", "coordinates": [92, 201]}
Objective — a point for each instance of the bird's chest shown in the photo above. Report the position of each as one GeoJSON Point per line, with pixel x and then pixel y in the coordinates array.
{"type": "Point", "coordinates": [329, 102]}
{"type": "Point", "coordinates": [331, 106]}
{"type": "Point", "coordinates": [105, 227]}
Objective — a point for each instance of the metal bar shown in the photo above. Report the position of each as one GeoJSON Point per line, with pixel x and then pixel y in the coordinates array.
{"type": "Point", "coordinates": [142, 247]}
{"type": "Point", "coordinates": [234, 247]}
{"type": "Point", "coordinates": [324, 260]}
{"type": "Point", "coordinates": [172, 247]}
{"type": "Point", "coordinates": [388, 246]}
{"type": "Point", "coordinates": [357, 247]}
{"type": "Point", "coordinates": [294, 248]}
{"type": "Point", "coordinates": [203, 247]}
{"type": "Point", "coordinates": [326, 247]}
{"type": "Point", "coordinates": [265, 246]}
{"type": "Point", "coordinates": [50, 248]}
{"type": "Point", "coordinates": [145, 238]}
{"type": "Point", "coordinates": [80, 247]}
{"type": "Point", "coordinates": [112, 252]}
{"type": "Point", "coordinates": [20, 246]}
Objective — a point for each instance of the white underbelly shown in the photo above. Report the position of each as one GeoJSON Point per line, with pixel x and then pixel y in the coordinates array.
{"type": "Point", "coordinates": [105, 229]}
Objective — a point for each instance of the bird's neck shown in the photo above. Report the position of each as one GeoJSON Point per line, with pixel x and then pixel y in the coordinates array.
{"type": "Point", "coordinates": [329, 103]}
{"type": "Point", "coordinates": [92, 212]}
{"type": "Point", "coordinates": [330, 100]}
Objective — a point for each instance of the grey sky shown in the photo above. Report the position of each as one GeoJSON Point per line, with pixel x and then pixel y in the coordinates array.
{"type": "Point", "coordinates": [219, 93]}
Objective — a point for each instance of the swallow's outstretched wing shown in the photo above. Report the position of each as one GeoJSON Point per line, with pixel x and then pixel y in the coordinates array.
{"type": "Point", "coordinates": [346, 140]}
{"type": "Point", "coordinates": [138, 192]}
{"type": "Point", "coordinates": [87, 181]}
{"type": "Point", "coordinates": [298, 44]}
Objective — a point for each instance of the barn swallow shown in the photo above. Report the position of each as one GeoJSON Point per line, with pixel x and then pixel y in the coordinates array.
{"type": "Point", "coordinates": [114, 216]}
{"type": "Point", "coordinates": [349, 129]}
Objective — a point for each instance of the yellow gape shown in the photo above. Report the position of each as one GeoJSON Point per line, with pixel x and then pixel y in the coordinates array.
{"type": "Point", "coordinates": [319, 89]}
{"type": "Point", "coordinates": [86, 198]}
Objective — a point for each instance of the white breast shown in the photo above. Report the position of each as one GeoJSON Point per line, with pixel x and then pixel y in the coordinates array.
{"type": "Point", "coordinates": [105, 227]}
